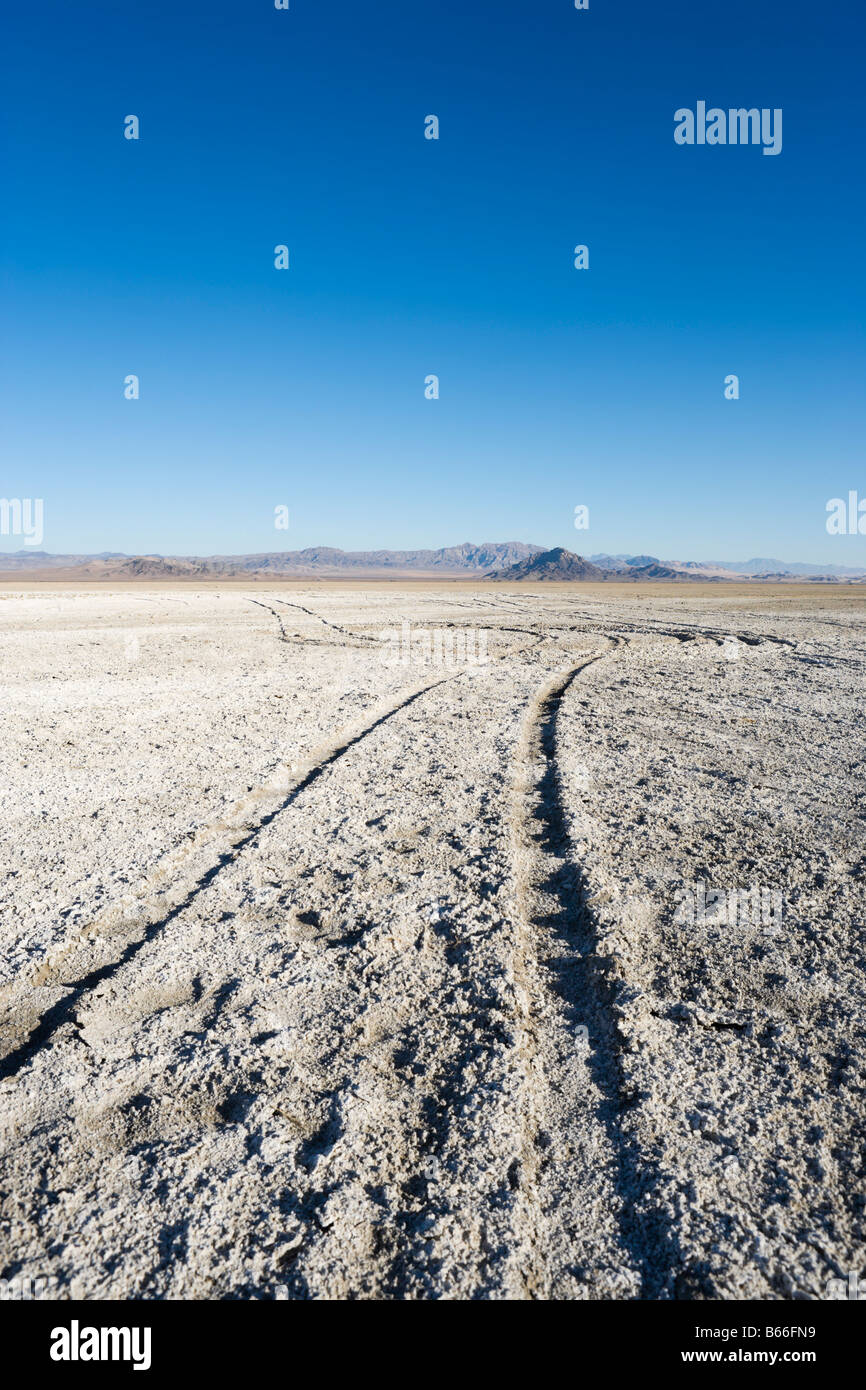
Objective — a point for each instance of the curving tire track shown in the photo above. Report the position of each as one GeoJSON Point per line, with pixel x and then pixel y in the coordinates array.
{"type": "Point", "coordinates": [158, 905]}
{"type": "Point", "coordinates": [284, 636]}
{"type": "Point", "coordinates": [335, 627]}
{"type": "Point", "coordinates": [578, 1177]}
{"type": "Point", "coordinates": [383, 1040]}
{"type": "Point", "coordinates": [119, 932]}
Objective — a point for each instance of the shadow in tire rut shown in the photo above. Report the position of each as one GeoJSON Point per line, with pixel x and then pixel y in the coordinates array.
{"type": "Point", "coordinates": [584, 980]}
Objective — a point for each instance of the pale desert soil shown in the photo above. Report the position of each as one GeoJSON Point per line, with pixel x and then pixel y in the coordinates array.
{"type": "Point", "coordinates": [328, 978]}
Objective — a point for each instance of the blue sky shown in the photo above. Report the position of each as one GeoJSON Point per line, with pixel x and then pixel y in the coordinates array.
{"type": "Point", "coordinates": [410, 257]}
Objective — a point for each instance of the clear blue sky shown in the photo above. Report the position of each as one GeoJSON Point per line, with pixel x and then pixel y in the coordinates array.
{"type": "Point", "coordinates": [411, 257]}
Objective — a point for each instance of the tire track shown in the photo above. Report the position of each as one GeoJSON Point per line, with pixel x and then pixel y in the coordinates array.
{"type": "Point", "coordinates": [365, 637]}
{"type": "Point", "coordinates": [355, 636]}
{"type": "Point", "coordinates": [157, 906]}
{"type": "Point", "coordinates": [578, 1176]}
{"type": "Point", "coordinates": [359, 637]}
{"type": "Point", "coordinates": [162, 898]}
{"type": "Point", "coordinates": [284, 637]}
{"type": "Point", "coordinates": [650, 629]}
{"type": "Point", "coordinates": [292, 638]}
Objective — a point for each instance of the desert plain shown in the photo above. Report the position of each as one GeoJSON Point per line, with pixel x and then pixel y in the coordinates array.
{"type": "Point", "coordinates": [432, 941]}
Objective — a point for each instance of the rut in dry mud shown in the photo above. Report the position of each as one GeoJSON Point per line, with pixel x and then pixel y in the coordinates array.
{"type": "Point", "coordinates": [55, 972]}
{"type": "Point", "coordinates": [151, 913]}
{"type": "Point", "coordinates": [576, 1236]}
{"type": "Point", "coordinates": [430, 1029]}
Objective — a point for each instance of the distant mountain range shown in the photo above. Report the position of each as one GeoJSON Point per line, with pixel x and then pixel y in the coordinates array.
{"type": "Point", "coordinates": [318, 560]}
{"type": "Point", "coordinates": [511, 560]}
{"type": "Point", "coordinates": [555, 564]}
{"type": "Point", "coordinates": [731, 567]}
{"type": "Point", "coordinates": [562, 565]}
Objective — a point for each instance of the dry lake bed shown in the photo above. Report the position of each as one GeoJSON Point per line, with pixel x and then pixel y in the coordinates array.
{"type": "Point", "coordinates": [420, 941]}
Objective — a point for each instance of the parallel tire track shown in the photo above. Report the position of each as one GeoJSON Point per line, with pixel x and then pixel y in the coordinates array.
{"type": "Point", "coordinates": [335, 627]}
{"type": "Point", "coordinates": [119, 932]}
{"type": "Point", "coordinates": [577, 1178]}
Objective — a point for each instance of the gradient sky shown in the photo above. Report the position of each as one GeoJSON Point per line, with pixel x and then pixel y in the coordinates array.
{"type": "Point", "coordinates": [409, 257]}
